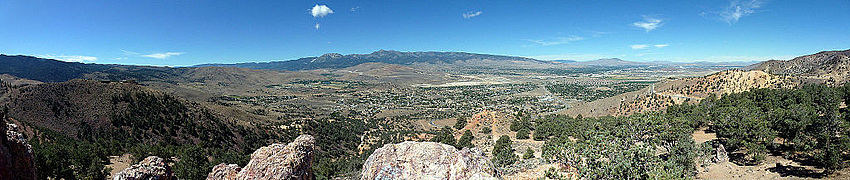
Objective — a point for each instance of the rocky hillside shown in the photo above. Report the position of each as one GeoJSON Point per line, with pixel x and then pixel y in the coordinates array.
{"type": "Point", "coordinates": [828, 67]}
{"type": "Point", "coordinates": [666, 93]}
{"type": "Point", "coordinates": [336, 61]}
{"type": "Point", "coordinates": [16, 154]}
{"type": "Point", "coordinates": [832, 67]}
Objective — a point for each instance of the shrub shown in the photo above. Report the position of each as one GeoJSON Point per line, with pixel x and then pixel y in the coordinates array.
{"type": "Point", "coordinates": [461, 122]}
{"type": "Point", "coordinates": [503, 153]}
{"type": "Point", "coordinates": [465, 140]}
{"type": "Point", "coordinates": [528, 154]}
{"type": "Point", "coordinates": [522, 134]}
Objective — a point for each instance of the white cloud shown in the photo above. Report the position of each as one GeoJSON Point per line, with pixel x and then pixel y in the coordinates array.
{"type": "Point", "coordinates": [321, 11]}
{"type": "Point", "coordinates": [317, 26]}
{"type": "Point", "coordinates": [648, 23]}
{"type": "Point", "coordinates": [355, 8]}
{"type": "Point", "coordinates": [471, 14]}
{"type": "Point", "coordinates": [639, 46]}
{"type": "Point", "coordinates": [70, 58]}
{"type": "Point", "coordinates": [738, 9]}
{"type": "Point", "coordinates": [644, 46]}
{"type": "Point", "coordinates": [162, 55]}
{"type": "Point", "coordinates": [557, 41]}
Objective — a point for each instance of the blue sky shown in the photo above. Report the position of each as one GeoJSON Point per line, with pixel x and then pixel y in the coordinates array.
{"type": "Point", "coordinates": [182, 32]}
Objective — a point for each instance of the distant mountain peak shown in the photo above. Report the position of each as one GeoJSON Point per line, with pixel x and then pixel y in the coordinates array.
{"type": "Point", "coordinates": [331, 55]}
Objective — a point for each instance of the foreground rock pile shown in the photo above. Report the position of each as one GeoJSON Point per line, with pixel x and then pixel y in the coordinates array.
{"type": "Point", "coordinates": [427, 160]}
{"type": "Point", "coordinates": [407, 160]}
{"type": "Point", "coordinates": [16, 155]}
{"type": "Point", "coordinates": [151, 167]}
{"type": "Point", "coordinates": [277, 161]}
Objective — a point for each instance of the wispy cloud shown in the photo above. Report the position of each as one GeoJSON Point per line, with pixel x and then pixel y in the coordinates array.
{"type": "Point", "coordinates": [317, 26]}
{"type": "Point", "coordinates": [639, 46]}
{"type": "Point", "coordinates": [162, 55]}
{"type": "Point", "coordinates": [321, 11]}
{"type": "Point", "coordinates": [556, 41]}
{"type": "Point", "coordinates": [355, 8]}
{"type": "Point", "coordinates": [70, 58]}
{"type": "Point", "coordinates": [129, 53]}
{"type": "Point", "coordinates": [645, 46]}
{"type": "Point", "coordinates": [738, 9]}
{"type": "Point", "coordinates": [471, 14]}
{"type": "Point", "coordinates": [648, 23]}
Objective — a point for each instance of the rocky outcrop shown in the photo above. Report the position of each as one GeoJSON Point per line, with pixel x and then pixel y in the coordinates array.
{"type": "Point", "coordinates": [224, 171]}
{"type": "Point", "coordinates": [276, 161]}
{"type": "Point", "coordinates": [16, 155]}
{"type": "Point", "coordinates": [720, 155]}
{"type": "Point", "coordinates": [152, 167]}
{"type": "Point", "coordinates": [427, 160]}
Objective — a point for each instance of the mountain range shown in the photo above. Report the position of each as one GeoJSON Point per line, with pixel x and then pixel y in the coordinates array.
{"type": "Point", "coordinates": [335, 61]}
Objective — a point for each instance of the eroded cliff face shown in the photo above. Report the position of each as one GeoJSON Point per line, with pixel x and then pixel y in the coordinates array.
{"type": "Point", "coordinates": [427, 160]}
{"type": "Point", "coordinates": [276, 161]}
{"type": "Point", "coordinates": [16, 155]}
{"type": "Point", "coordinates": [151, 167]}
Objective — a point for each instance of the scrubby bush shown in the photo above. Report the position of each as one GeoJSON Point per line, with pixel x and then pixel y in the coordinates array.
{"type": "Point", "coordinates": [522, 134]}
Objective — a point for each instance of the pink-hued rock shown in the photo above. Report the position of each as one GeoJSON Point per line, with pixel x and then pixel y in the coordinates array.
{"type": "Point", "coordinates": [276, 161]}
{"type": "Point", "coordinates": [224, 172]}
{"type": "Point", "coordinates": [152, 167]}
{"type": "Point", "coordinates": [427, 160]}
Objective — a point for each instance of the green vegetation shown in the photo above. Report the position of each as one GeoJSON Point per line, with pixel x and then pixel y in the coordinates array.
{"type": "Point", "coordinates": [486, 130]}
{"type": "Point", "coordinates": [445, 136]}
{"type": "Point", "coordinates": [461, 122]}
{"type": "Point", "coordinates": [465, 140]}
{"type": "Point", "coordinates": [528, 154]}
{"type": "Point", "coordinates": [591, 93]}
{"type": "Point", "coordinates": [521, 122]}
{"type": "Point", "coordinates": [503, 153]}
{"type": "Point", "coordinates": [522, 134]}
{"type": "Point", "coordinates": [808, 122]}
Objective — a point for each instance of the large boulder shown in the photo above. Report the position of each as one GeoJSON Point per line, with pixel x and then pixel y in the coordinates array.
{"type": "Point", "coordinates": [224, 172]}
{"type": "Point", "coordinates": [276, 161]}
{"type": "Point", "coordinates": [151, 168]}
{"type": "Point", "coordinates": [427, 160]}
{"type": "Point", "coordinates": [16, 155]}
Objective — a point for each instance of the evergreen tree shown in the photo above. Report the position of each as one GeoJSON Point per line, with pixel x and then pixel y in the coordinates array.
{"type": "Point", "coordinates": [503, 153]}
{"type": "Point", "coordinates": [445, 136]}
{"type": "Point", "coordinates": [522, 134]}
{"type": "Point", "coordinates": [461, 122]}
{"type": "Point", "coordinates": [466, 140]}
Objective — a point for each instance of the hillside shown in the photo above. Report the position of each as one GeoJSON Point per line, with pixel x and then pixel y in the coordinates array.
{"type": "Point", "coordinates": [336, 61]}
{"type": "Point", "coordinates": [829, 66]}
{"type": "Point", "coordinates": [46, 70]}
{"type": "Point", "coordinates": [128, 112]}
